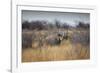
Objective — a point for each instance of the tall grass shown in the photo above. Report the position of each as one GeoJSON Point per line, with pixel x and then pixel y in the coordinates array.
{"type": "Point", "coordinates": [70, 49]}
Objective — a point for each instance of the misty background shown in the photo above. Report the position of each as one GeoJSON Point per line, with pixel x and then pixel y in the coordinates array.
{"type": "Point", "coordinates": [70, 18]}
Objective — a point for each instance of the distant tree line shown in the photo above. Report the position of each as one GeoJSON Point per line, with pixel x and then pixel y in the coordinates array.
{"type": "Point", "coordinates": [40, 25]}
{"type": "Point", "coordinates": [83, 25]}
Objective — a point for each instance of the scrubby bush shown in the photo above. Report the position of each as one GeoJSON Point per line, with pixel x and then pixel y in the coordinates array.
{"type": "Point", "coordinates": [81, 37]}
{"type": "Point", "coordinates": [26, 40]}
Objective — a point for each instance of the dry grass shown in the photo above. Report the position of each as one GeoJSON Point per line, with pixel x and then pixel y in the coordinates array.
{"type": "Point", "coordinates": [65, 51]}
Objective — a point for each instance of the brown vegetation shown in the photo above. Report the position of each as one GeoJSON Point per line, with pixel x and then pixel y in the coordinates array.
{"type": "Point", "coordinates": [55, 44]}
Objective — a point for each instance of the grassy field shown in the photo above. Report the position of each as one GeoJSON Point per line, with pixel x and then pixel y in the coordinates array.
{"type": "Point", "coordinates": [69, 49]}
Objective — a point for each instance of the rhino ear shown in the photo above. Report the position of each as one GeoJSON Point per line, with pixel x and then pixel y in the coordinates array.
{"type": "Point", "coordinates": [58, 34]}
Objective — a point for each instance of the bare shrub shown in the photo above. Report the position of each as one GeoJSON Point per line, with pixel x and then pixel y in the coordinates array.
{"type": "Point", "coordinates": [26, 40]}
{"type": "Point", "coordinates": [81, 37]}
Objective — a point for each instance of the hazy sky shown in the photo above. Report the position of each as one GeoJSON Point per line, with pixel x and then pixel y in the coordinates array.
{"type": "Point", "coordinates": [68, 17]}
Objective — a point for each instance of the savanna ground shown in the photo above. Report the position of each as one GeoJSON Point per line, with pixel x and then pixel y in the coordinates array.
{"type": "Point", "coordinates": [73, 48]}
